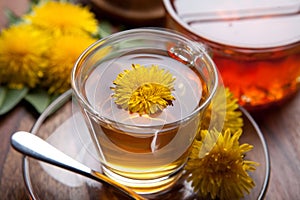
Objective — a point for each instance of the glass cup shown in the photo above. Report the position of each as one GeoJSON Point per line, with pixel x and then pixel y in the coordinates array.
{"type": "Point", "coordinates": [146, 152]}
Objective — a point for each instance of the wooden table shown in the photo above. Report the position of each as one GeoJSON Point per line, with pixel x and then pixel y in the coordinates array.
{"type": "Point", "coordinates": [280, 126]}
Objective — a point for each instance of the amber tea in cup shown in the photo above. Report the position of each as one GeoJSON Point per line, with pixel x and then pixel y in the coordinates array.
{"type": "Point", "coordinates": [144, 150]}
{"type": "Point", "coordinates": [255, 44]}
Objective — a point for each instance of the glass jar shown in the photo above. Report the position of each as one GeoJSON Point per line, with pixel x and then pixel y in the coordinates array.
{"type": "Point", "coordinates": [255, 44]}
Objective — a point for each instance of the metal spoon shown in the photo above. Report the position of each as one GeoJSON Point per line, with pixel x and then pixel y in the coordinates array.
{"type": "Point", "coordinates": [33, 146]}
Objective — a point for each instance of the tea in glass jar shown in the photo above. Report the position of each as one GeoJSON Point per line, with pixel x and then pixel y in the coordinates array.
{"type": "Point", "coordinates": [255, 44]}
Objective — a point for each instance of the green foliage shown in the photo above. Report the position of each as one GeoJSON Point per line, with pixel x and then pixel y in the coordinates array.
{"type": "Point", "coordinates": [104, 29]}
{"type": "Point", "coordinates": [39, 99]}
{"type": "Point", "coordinates": [11, 17]}
{"type": "Point", "coordinates": [9, 98]}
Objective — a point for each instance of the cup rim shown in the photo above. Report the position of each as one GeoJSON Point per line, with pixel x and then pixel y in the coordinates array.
{"type": "Point", "coordinates": [157, 31]}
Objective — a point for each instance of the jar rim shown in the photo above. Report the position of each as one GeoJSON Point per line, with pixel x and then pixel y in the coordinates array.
{"type": "Point", "coordinates": [234, 34]}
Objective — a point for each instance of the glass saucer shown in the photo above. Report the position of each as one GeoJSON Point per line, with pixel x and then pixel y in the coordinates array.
{"type": "Point", "coordinates": [59, 125]}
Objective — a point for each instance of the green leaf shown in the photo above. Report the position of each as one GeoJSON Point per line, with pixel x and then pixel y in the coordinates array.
{"type": "Point", "coordinates": [11, 17]}
{"type": "Point", "coordinates": [12, 98]}
{"type": "Point", "coordinates": [104, 29]}
{"type": "Point", "coordinates": [39, 99]}
{"type": "Point", "coordinates": [2, 94]}
{"type": "Point", "coordinates": [34, 2]}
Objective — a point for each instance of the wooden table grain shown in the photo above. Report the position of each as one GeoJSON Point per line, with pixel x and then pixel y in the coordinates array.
{"type": "Point", "coordinates": [280, 126]}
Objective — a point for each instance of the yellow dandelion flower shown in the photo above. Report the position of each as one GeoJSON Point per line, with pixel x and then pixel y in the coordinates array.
{"type": "Point", "coordinates": [63, 17]}
{"type": "Point", "coordinates": [22, 49]}
{"type": "Point", "coordinates": [144, 90]}
{"type": "Point", "coordinates": [217, 166]}
{"type": "Point", "coordinates": [62, 56]}
{"type": "Point", "coordinates": [223, 112]}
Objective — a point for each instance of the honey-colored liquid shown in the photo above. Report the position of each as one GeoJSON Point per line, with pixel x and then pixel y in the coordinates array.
{"type": "Point", "coordinates": [136, 149]}
{"type": "Point", "coordinates": [261, 81]}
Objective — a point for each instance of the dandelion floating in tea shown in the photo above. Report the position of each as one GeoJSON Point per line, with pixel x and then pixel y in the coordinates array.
{"type": "Point", "coordinates": [144, 90]}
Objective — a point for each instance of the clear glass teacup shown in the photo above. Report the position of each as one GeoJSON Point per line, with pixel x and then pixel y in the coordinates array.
{"type": "Point", "coordinates": [143, 93]}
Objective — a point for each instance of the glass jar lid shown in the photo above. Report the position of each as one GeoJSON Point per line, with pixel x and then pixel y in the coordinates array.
{"type": "Point", "coordinates": [246, 24]}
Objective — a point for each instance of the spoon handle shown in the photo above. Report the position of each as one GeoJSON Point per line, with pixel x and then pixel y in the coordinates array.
{"type": "Point", "coordinates": [33, 146]}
